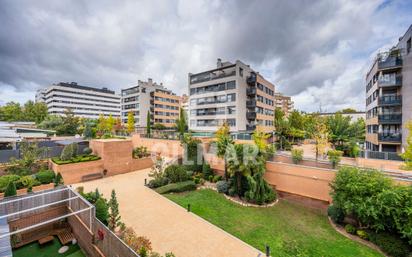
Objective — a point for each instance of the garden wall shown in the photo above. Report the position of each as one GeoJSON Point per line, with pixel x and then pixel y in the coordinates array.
{"type": "Point", "coordinates": [73, 172]}
{"type": "Point", "coordinates": [164, 147]}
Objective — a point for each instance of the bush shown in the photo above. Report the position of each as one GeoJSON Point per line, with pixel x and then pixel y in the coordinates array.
{"type": "Point", "coordinates": [206, 170]}
{"type": "Point", "coordinates": [216, 178]}
{"type": "Point", "coordinates": [176, 173]}
{"type": "Point", "coordinates": [222, 186]}
{"type": "Point", "coordinates": [102, 210]}
{"type": "Point", "coordinates": [140, 152]}
{"type": "Point", "coordinates": [87, 150]}
{"type": "Point", "coordinates": [6, 179]}
{"type": "Point", "coordinates": [69, 151]}
{"type": "Point", "coordinates": [390, 244]}
{"type": "Point", "coordinates": [297, 155]}
{"type": "Point", "coordinates": [58, 180]}
{"type": "Point", "coordinates": [27, 182]}
{"type": "Point", "coordinates": [336, 214]}
{"type": "Point", "coordinates": [362, 234]}
{"type": "Point", "coordinates": [10, 190]}
{"type": "Point", "coordinates": [45, 176]}
{"type": "Point", "coordinates": [350, 229]}
{"type": "Point", "coordinates": [177, 187]}
{"type": "Point", "coordinates": [80, 158]}
{"type": "Point", "coordinates": [196, 180]}
{"type": "Point", "coordinates": [158, 182]}
{"type": "Point", "coordinates": [334, 157]}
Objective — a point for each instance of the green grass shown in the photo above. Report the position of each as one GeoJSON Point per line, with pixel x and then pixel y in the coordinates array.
{"type": "Point", "coordinates": [288, 228]}
{"type": "Point", "coordinates": [47, 250]}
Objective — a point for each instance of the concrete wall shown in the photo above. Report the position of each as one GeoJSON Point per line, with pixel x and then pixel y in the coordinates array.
{"type": "Point", "coordinates": [164, 147]}
{"type": "Point", "coordinates": [73, 172]}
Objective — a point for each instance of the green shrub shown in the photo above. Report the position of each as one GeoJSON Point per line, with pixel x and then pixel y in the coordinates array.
{"type": "Point", "coordinates": [69, 151]}
{"type": "Point", "coordinates": [297, 155]}
{"type": "Point", "coordinates": [87, 150]}
{"type": "Point", "coordinates": [10, 189]}
{"type": "Point", "coordinates": [196, 180]}
{"type": "Point", "coordinates": [189, 173]}
{"type": "Point", "coordinates": [58, 180]}
{"type": "Point", "coordinates": [194, 167]}
{"type": "Point", "coordinates": [27, 182]}
{"type": "Point", "coordinates": [158, 182]}
{"type": "Point", "coordinates": [140, 152]}
{"type": "Point", "coordinates": [206, 170]}
{"type": "Point", "coordinates": [334, 157]}
{"type": "Point", "coordinates": [336, 214]}
{"type": "Point", "coordinates": [216, 178]}
{"type": "Point", "coordinates": [222, 186]}
{"type": "Point", "coordinates": [80, 158]}
{"type": "Point", "coordinates": [350, 229]}
{"type": "Point", "coordinates": [102, 210]}
{"type": "Point", "coordinates": [177, 187]}
{"type": "Point", "coordinates": [6, 179]}
{"type": "Point", "coordinates": [362, 234]}
{"type": "Point", "coordinates": [390, 244]}
{"type": "Point", "coordinates": [176, 173]}
{"type": "Point", "coordinates": [210, 178]}
{"type": "Point", "coordinates": [45, 176]}
{"type": "Point", "coordinates": [259, 191]}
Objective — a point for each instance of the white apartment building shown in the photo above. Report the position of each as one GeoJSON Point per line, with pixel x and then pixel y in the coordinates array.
{"type": "Point", "coordinates": [86, 102]}
{"type": "Point", "coordinates": [231, 93]}
{"type": "Point", "coordinates": [160, 102]}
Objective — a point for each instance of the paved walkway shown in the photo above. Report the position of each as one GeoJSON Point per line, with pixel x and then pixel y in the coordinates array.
{"type": "Point", "coordinates": [169, 227]}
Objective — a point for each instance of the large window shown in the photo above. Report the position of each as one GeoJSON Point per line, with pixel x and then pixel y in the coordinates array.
{"type": "Point", "coordinates": [213, 88]}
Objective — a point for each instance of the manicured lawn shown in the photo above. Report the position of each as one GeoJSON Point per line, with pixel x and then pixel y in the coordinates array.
{"type": "Point", "coordinates": [47, 250]}
{"type": "Point", "coordinates": [288, 228]}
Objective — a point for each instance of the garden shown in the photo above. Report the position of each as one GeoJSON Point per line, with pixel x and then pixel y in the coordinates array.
{"type": "Point", "coordinates": [70, 154]}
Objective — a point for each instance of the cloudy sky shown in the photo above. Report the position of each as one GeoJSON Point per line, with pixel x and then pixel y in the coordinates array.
{"type": "Point", "coordinates": [316, 51]}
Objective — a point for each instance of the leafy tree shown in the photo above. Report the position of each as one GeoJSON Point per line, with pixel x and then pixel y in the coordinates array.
{"type": "Point", "coordinates": [51, 122]}
{"type": "Point", "coordinates": [118, 127]}
{"type": "Point", "coordinates": [321, 136]}
{"type": "Point", "coordinates": [190, 145]}
{"type": "Point", "coordinates": [159, 126]}
{"type": "Point", "coordinates": [110, 123]}
{"type": "Point", "coordinates": [88, 133]}
{"type": "Point", "coordinates": [148, 124]}
{"type": "Point", "coordinates": [69, 125]}
{"type": "Point", "coordinates": [334, 157]}
{"type": "Point", "coordinates": [130, 122]}
{"type": "Point", "coordinates": [296, 120]}
{"type": "Point", "coordinates": [12, 111]}
{"type": "Point", "coordinates": [282, 128]}
{"type": "Point", "coordinates": [339, 129]}
{"type": "Point", "coordinates": [27, 164]}
{"type": "Point", "coordinates": [181, 123]}
{"type": "Point", "coordinates": [102, 210]}
{"type": "Point", "coordinates": [10, 190]}
{"type": "Point", "coordinates": [240, 163]}
{"type": "Point", "coordinates": [349, 110]}
{"type": "Point", "coordinates": [114, 214]}
{"type": "Point", "coordinates": [102, 125]}
{"type": "Point", "coordinates": [224, 141]}
{"type": "Point", "coordinates": [407, 155]}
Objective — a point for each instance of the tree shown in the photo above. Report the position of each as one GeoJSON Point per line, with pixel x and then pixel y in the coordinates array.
{"type": "Point", "coordinates": [159, 126]}
{"type": "Point", "coordinates": [334, 157]}
{"type": "Point", "coordinates": [282, 128]}
{"type": "Point", "coordinates": [27, 164]}
{"type": "Point", "coordinates": [102, 125]}
{"type": "Point", "coordinates": [118, 127]}
{"type": "Point", "coordinates": [224, 141]}
{"type": "Point", "coordinates": [69, 125]}
{"type": "Point", "coordinates": [181, 123]}
{"type": "Point", "coordinates": [10, 190]}
{"type": "Point", "coordinates": [114, 215]}
{"type": "Point", "coordinates": [321, 136]}
{"type": "Point", "coordinates": [88, 133]}
{"type": "Point", "coordinates": [190, 145]}
{"type": "Point", "coordinates": [339, 129]}
{"type": "Point", "coordinates": [102, 210]}
{"type": "Point", "coordinates": [407, 155]}
{"type": "Point", "coordinates": [130, 122]}
{"type": "Point", "coordinates": [110, 123]}
{"type": "Point", "coordinates": [240, 163]}
{"type": "Point", "coordinates": [51, 122]}
{"type": "Point", "coordinates": [12, 111]}
{"type": "Point", "coordinates": [58, 180]}
{"type": "Point", "coordinates": [148, 124]}
{"type": "Point", "coordinates": [348, 110]}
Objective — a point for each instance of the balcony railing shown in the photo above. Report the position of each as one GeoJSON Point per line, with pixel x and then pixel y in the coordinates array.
{"type": "Point", "coordinates": [250, 127]}
{"type": "Point", "coordinates": [390, 80]}
{"type": "Point", "coordinates": [211, 76]}
{"type": "Point", "coordinates": [251, 80]}
{"type": "Point", "coordinates": [380, 155]}
{"type": "Point", "coordinates": [251, 91]}
{"type": "Point", "coordinates": [390, 137]}
{"type": "Point", "coordinates": [251, 115]}
{"type": "Point", "coordinates": [390, 100]}
{"type": "Point", "coordinates": [251, 103]}
{"type": "Point", "coordinates": [390, 118]}
{"type": "Point", "coordinates": [390, 62]}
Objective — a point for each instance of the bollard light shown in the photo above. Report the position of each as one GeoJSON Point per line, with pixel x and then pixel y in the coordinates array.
{"type": "Point", "coordinates": [267, 251]}
{"type": "Point", "coordinates": [145, 181]}
{"type": "Point", "coordinates": [188, 207]}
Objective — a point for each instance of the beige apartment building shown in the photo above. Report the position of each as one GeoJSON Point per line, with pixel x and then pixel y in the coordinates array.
{"type": "Point", "coordinates": [389, 98]}
{"type": "Point", "coordinates": [148, 96]}
{"type": "Point", "coordinates": [285, 103]}
{"type": "Point", "coordinates": [232, 93]}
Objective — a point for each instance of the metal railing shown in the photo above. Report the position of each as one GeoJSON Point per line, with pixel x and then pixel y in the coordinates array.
{"type": "Point", "coordinates": [390, 80]}
{"type": "Point", "coordinates": [390, 100]}
{"type": "Point", "coordinates": [380, 155]}
{"type": "Point", "coordinates": [390, 62]}
{"type": "Point", "coordinates": [390, 137]}
{"type": "Point", "coordinates": [390, 118]}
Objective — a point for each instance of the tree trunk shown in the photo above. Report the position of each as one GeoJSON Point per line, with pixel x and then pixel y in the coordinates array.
{"type": "Point", "coordinates": [239, 184]}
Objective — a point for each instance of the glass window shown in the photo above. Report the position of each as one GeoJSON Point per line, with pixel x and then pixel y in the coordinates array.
{"type": "Point", "coordinates": [231, 97]}
{"type": "Point", "coordinates": [231, 85]}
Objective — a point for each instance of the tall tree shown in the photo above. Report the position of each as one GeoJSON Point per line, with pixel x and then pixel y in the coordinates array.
{"type": "Point", "coordinates": [12, 111]}
{"type": "Point", "coordinates": [114, 214]}
{"type": "Point", "coordinates": [110, 123]}
{"type": "Point", "coordinates": [102, 125]}
{"type": "Point", "coordinates": [69, 125]}
{"type": "Point", "coordinates": [181, 123]}
{"type": "Point", "coordinates": [321, 136]}
{"type": "Point", "coordinates": [148, 124]}
{"type": "Point", "coordinates": [339, 129]}
{"type": "Point", "coordinates": [282, 127]}
{"type": "Point", "coordinates": [130, 122]}
{"type": "Point", "coordinates": [224, 141]}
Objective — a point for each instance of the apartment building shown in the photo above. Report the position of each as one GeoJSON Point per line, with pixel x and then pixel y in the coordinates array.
{"type": "Point", "coordinates": [285, 103]}
{"type": "Point", "coordinates": [389, 97]}
{"type": "Point", "coordinates": [84, 101]}
{"type": "Point", "coordinates": [232, 93]}
{"type": "Point", "coordinates": [148, 96]}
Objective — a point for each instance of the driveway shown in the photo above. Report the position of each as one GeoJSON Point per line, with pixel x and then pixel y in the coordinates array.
{"type": "Point", "coordinates": [169, 227]}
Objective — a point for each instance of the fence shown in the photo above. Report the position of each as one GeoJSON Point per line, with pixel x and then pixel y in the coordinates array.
{"type": "Point", "coordinates": [380, 155]}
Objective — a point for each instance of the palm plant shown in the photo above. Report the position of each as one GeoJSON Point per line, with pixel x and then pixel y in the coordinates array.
{"type": "Point", "coordinates": [224, 141]}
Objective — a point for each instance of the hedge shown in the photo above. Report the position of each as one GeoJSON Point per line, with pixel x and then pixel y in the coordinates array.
{"type": "Point", "coordinates": [80, 158]}
{"type": "Point", "coordinates": [177, 187]}
{"type": "Point", "coordinates": [45, 176]}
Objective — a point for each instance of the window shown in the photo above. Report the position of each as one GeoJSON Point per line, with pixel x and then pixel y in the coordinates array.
{"type": "Point", "coordinates": [231, 110]}
{"type": "Point", "coordinates": [231, 85]}
{"type": "Point", "coordinates": [231, 97]}
{"type": "Point", "coordinates": [240, 72]}
{"type": "Point", "coordinates": [408, 46]}
{"type": "Point", "coordinates": [231, 122]}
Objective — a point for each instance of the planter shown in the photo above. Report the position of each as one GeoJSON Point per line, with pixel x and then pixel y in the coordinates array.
{"type": "Point", "coordinates": [74, 172]}
{"type": "Point", "coordinates": [1, 196]}
{"type": "Point", "coordinates": [43, 187]}
{"type": "Point", "coordinates": [22, 191]}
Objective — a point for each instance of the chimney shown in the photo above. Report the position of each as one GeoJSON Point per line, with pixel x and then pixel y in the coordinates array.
{"type": "Point", "coordinates": [219, 62]}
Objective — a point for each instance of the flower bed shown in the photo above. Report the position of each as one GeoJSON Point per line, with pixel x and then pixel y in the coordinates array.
{"type": "Point", "coordinates": [80, 158]}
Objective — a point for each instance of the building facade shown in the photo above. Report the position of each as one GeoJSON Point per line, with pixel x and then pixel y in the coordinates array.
{"type": "Point", "coordinates": [149, 97]}
{"type": "Point", "coordinates": [86, 102]}
{"type": "Point", "coordinates": [285, 103]}
{"type": "Point", "coordinates": [389, 98]}
{"type": "Point", "coordinates": [232, 93]}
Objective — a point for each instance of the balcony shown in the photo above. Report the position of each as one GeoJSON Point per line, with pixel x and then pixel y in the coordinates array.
{"type": "Point", "coordinates": [390, 118]}
{"type": "Point", "coordinates": [390, 80]}
{"type": "Point", "coordinates": [251, 103]}
{"type": "Point", "coordinates": [251, 115]}
{"type": "Point", "coordinates": [390, 62]}
{"type": "Point", "coordinates": [214, 74]}
{"type": "Point", "coordinates": [250, 127]}
{"type": "Point", "coordinates": [390, 137]}
{"type": "Point", "coordinates": [251, 80]}
{"type": "Point", "coordinates": [251, 91]}
{"type": "Point", "coordinates": [389, 100]}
